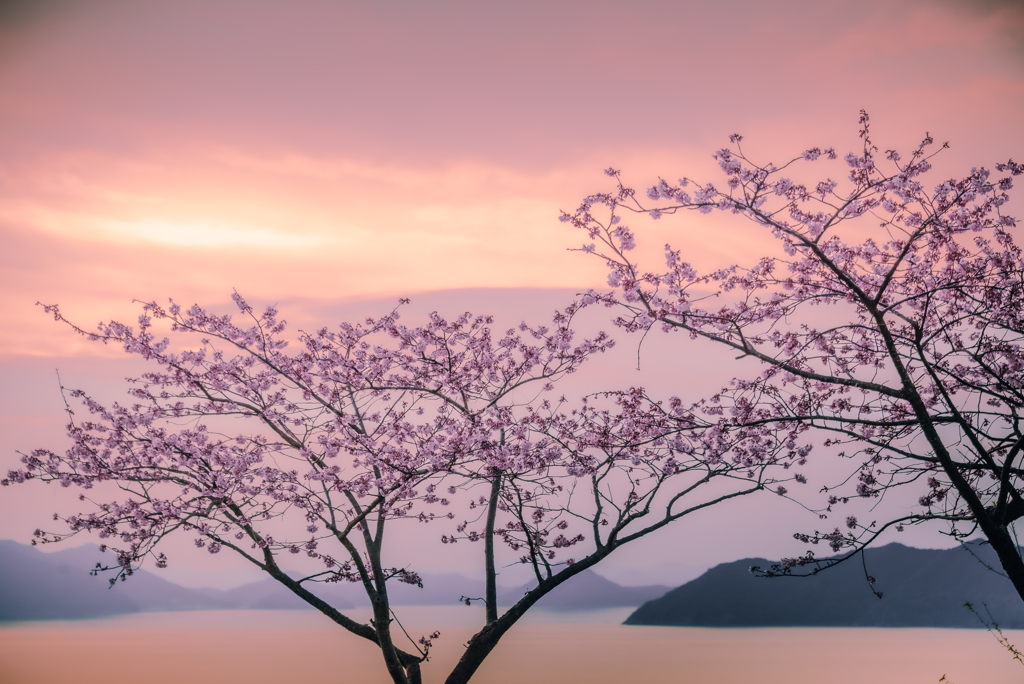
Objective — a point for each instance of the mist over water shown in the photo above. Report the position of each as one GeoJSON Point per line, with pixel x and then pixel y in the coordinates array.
{"type": "Point", "coordinates": [260, 647]}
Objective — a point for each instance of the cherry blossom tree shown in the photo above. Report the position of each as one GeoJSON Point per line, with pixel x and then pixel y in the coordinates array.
{"type": "Point", "coordinates": [315, 456]}
{"type": "Point", "coordinates": [891, 321]}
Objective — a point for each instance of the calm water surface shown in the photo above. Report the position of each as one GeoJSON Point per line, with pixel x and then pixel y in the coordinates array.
{"type": "Point", "coordinates": [260, 647]}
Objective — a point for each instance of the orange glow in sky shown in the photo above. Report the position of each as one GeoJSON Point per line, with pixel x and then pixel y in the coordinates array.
{"type": "Point", "coordinates": [340, 150]}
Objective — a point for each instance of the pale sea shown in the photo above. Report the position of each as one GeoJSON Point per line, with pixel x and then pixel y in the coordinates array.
{"type": "Point", "coordinates": [264, 647]}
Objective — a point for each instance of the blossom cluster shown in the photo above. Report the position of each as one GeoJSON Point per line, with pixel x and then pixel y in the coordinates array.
{"type": "Point", "coordinates": [890, 320]}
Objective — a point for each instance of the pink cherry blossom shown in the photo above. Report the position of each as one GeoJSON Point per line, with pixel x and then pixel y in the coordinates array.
{"type": "Point", "coordinates": [250, 441]}
{"type": "Point", "coordinates": [890, 322]}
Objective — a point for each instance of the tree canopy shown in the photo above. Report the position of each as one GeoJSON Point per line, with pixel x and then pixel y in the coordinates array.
{"type": "Point", "coordinates": [282, 456]}
{"type": "Point", "coordinates": [891, 323]}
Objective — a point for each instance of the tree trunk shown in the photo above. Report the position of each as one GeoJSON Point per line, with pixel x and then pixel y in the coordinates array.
{"type": "Point", "coordinates": [491, 591]}
{"type": "Point", "coordinates": [484, 641]}
{"type": "Point", "coordinates": [997, 535]}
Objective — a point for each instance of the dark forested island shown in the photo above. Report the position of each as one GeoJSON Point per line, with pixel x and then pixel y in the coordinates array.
{"type": "Point", "coordinates": [919, 587]}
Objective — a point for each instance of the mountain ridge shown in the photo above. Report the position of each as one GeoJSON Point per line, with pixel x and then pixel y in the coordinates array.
{"type": "Point", "coordinates": [38, 586]}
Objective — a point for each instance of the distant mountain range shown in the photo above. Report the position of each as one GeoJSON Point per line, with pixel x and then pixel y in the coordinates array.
{"type": "Point", "coordinates": [41, 586]}
{"type": "Point", "coordinates": [920, 588]}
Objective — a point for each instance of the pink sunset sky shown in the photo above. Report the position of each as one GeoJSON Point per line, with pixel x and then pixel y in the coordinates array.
{"type": "Point", "coordinates": [332, 156]}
